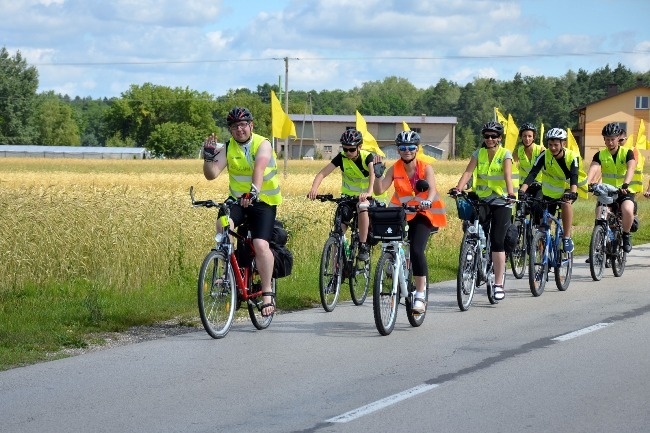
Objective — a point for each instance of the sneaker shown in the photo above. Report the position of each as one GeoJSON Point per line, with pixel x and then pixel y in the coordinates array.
{"type": "Point", "coordinates": [627, 244]}
{"type": "Point", "coordinates": [364, 254]}
{"type": "Point", "coordinates": [568, 245]}
{"type": "Point", "coordinates": [419, 305]}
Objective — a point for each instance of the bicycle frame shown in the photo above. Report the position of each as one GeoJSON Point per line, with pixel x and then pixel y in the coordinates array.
{"type": "Point", "coordinates": [552, 242]}
{"type": "Point", "coordinates": [401, 265]}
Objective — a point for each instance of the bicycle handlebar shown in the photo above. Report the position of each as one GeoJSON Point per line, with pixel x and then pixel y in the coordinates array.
{"type": "Point", "coordinates": [210, 203]}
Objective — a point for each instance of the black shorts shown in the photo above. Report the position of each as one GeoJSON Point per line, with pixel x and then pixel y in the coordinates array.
{"type": "Point", "coordinates": [260, 217]}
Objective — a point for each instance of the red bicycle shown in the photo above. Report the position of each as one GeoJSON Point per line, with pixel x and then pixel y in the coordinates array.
{"type": "Point", "coordinates": [228, 276]}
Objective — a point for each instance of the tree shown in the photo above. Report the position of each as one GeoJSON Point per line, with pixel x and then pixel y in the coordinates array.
{"type": "Point", "coordinates": [441, 100]}
{"type": "Point", "coordinates": [18, 85]}
{"type": "Point", "coordinates": [55, 122]}
{"type": "Point", "coordinates": [175, 140]}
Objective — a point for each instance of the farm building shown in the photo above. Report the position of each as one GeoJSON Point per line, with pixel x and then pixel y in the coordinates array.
{"type": "Point", "coordinates": [82, 152]}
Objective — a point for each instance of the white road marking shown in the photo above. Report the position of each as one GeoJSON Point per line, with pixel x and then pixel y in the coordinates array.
{"type": "Point", "coordinates": [582, 331]}
{"type": "Point", "coordinates": [380, 404]}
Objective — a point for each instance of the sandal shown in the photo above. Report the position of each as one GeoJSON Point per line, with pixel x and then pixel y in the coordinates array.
{"type": "Point", "coordinates": [419, 310]}
{"type": "Point", "coordinates": [268, 304]}
{"type": "Point", "coordinates": [499, 293]}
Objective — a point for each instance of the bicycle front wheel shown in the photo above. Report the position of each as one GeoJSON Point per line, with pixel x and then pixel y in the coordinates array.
{"type": "Point", "coordinates": [619, 258]}
{"type": "Point", "coordinates": [331, 267]}
{"type": "Point", "coordinates": [597, 255]}
{"type": "Point", "coordinates": [466, 277]}
{"type": "Point", "coordinates": [537, 265]}
{"type": "Point", "coordinates": [384, 299]}
{"type": "Point", "coordinates": [359, 279]}
{"type": "Point", "coordinates": [563, 268]}
{"type": "Point", "coordinates": [518, 254]}
{"type": "Point", "coordinates": [217, 294]}
{"type": "Point", "coordinates": [255, 304]}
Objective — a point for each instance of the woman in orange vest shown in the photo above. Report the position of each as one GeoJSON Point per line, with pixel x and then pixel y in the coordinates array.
{"type": "Point", "coordinates": [404, 175]}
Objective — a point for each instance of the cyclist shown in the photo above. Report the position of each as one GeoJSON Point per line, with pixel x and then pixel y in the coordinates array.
{"type": "Point", "coordinates": [357, 177]}
{"type": "Point", "coordinates": [491, 168]}
{"type": "Point", "coordinates": [617, 164]}
{"type": "Point", "coordinates": [561, 177]}
{"type": "Point", "coordinates": [254, 182]}
{"type": "Point", "coordinates": [404, 175]}
{"type": "Point", "coordinates": [526, 154]}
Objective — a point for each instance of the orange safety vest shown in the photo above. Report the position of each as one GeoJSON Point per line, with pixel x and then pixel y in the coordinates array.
{"type": "Point", "coordinates": [404, 193]}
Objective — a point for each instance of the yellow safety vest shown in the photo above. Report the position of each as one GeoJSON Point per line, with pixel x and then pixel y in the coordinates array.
{"type": "Point", "coordinates": [525, 165]}
{"type": "Point", "coordinates": [489, 177]}
{"type": "Point", "coordinates": [614, 171]}
{"type": "Point", "coordinates": [555, 182]}
{"type": "Point", "coordinates": [240, 171]}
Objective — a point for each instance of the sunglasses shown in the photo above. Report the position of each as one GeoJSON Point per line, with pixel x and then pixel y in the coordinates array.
{"type": "Point", "coordinates": [492, 136]}
{"type": "Point", "coordinates": [349, 149]}
{"type": "Point", "coordinates": [409, 148]}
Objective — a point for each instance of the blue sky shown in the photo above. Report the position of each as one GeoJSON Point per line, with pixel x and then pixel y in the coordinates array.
{"type": "Point", "coordinates": [99, 48]}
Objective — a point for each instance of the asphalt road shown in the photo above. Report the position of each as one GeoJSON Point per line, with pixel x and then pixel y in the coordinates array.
{"type": "Point", "coordinates": [574, 361]}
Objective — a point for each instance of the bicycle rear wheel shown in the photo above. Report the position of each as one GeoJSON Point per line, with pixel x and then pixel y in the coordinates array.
{"type": "Point", "coordinates": [518, 254]}
{"type": "Point", "coordinates": [563, 268]}
{"type": "Point", "coordinates": [384, 300]}
{"type": "Point", "coordinates": [254, 304]}
{"type": "Point", "coordinates": [466, 277]}
{"type": "Point", "coordinates": [217, 294]}
{"type": "Point", "coordinates": [359, 278]}
{"type": "Point", "coordinates": [597, 254]}
{"type": "Point", "coordinates": [331, 267]}
{"type": "Point", "coordinates": [619, 258]}
{"type": "Point", "coordinates": [537, 265]}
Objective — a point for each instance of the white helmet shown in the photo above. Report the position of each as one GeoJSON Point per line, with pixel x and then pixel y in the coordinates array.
{"type": "Point", "coordinates": [556, 134]}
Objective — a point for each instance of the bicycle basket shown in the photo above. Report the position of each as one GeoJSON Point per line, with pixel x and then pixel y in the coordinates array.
{"type": "Point", "coordinates": [387, 223]}
{"type": "Point", "coordinates": [465, 209]}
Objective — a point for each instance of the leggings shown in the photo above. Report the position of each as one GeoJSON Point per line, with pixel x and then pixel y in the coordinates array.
{"type": "Point", "coordinates": [419, 230]}
{"type": "Point", "coordinates": [501, 216]}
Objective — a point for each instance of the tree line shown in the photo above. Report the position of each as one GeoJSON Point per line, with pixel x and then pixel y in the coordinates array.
{"type": "Point", "coordinates": [172, 122]}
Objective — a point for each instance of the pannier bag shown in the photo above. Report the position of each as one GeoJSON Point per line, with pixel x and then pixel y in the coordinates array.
{"type": "Point", "coordinates": [282, 256]}
{"type": "Point", "coordinates": [387, 223]}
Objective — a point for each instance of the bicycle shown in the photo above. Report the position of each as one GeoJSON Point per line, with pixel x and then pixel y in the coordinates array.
{"type": "Point", "coordinates": [475, 265]}
{"type": "Point", "coordinates": [524, 226]}
{"type": "Point", "coordinates": [229, 277]}
{"type": "Point", "coordinates": [546, 250]}
{"type": "Point", "coordinates": [393, 275]}
{"type": "Point", "coordinates": [607, 236]}
{"type": "Point", "coordinates": [339, 261]}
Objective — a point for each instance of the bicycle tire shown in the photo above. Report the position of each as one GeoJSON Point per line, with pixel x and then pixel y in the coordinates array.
{"type": "Point", "coordinates": [537, 264]}
{"type": "Point", "coordinates": [563, 269]}
{"type": "Point", "coordinates": [466, 276]}
{"type": "Point", "coordinates": [597, 254]}
{"type": "Point", "coordinates": [360, 275]}
{"type": "Point", "coordinates": [384, 300]}
{"type": "Point", "coordinates": [619, 259]}
{"type": "Point", "coordinates": [416, 319]}
{"type": "Point", "coordinates": [331, 267]}
{"type": "Point", "coordinates": [489, 283]}
{"type": "Point", "coordinates": [518, 254]}
{"type": "Point", "coordinates": [254, 304]}
{"type": "Point", "coordinates": [217, 296]}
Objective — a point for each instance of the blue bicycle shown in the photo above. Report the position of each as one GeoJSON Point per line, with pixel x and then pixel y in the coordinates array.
{"type": "Point", "coordinates": [546, 250]}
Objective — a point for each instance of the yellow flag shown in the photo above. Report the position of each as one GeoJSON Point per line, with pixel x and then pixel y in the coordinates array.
{"type": "Point", "coordinates": [641, 139]}
{"type": "Point", "coordinates": [500, 118]}
{"type": "Point", "coordinates": [405, 126]}
{"type": "Point", "coordinates": [281, 125]}
{"type": "Point", "coordinates": [369, 142]}
{"type": "Point", "coordinates": [571, 143]}
{"type": "Point", "coordinates": [512, 134]}
{"type": "Point", "coordinates": [541, 134]}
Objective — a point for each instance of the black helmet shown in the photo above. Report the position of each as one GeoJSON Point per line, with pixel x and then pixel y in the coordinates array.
{"type": "Point", "coordinates": [351, 137]}
{"type": "Point", "coordinates": [407, 137]}
{"type": "Point", "coordinates": [492, 126]}
{"type": "Point", "coordinates": [611, 130]}
{"type": "Point", "coordinates": [238, 114]}
{"type": "Point", "coordinates": [528, 127]}
{"type": "Point", "coordinates": [556, 134]}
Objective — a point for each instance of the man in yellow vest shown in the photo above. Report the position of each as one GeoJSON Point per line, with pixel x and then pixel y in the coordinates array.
{"type": "Point", "coordinates": [254, 182]}
{"type": "Point", "coordinates": [617, 164]}
{"type": "Point", "coordinates": [560, 178]}
{"type": "Point", "coordinates": [357, 178]}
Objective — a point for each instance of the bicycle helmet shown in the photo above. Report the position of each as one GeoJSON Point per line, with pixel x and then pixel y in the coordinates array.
{"type": "Point", "coordinates": [407, 137]}
{"type": "Point", "coordinates": [238, 114]}
{"type": "Point", "coordinates": [492, 126]}
{"type": "Point", "coordinates": [351, 137]}
{"type": "Point", "coordinates": [611, 130]}
{"type": "Point", "coordinates": [528, 127]}
{"type": "Point", "coordinates": [556, 134]}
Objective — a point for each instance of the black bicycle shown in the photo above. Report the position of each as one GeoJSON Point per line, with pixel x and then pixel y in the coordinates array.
{"type": "Point", "coordinates": [339, 260]}
{"type": "Point", "coordinates": [607, 236]}
{"type": "Point", "coordinates": [523, 222]}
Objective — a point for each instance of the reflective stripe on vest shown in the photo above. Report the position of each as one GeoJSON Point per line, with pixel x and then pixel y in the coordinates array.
{"type": "Point", "coordinates": [489, 175]}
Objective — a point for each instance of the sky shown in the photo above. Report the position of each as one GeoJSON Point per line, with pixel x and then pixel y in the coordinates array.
{"type": "Point", "coordinates": [100, 48]}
